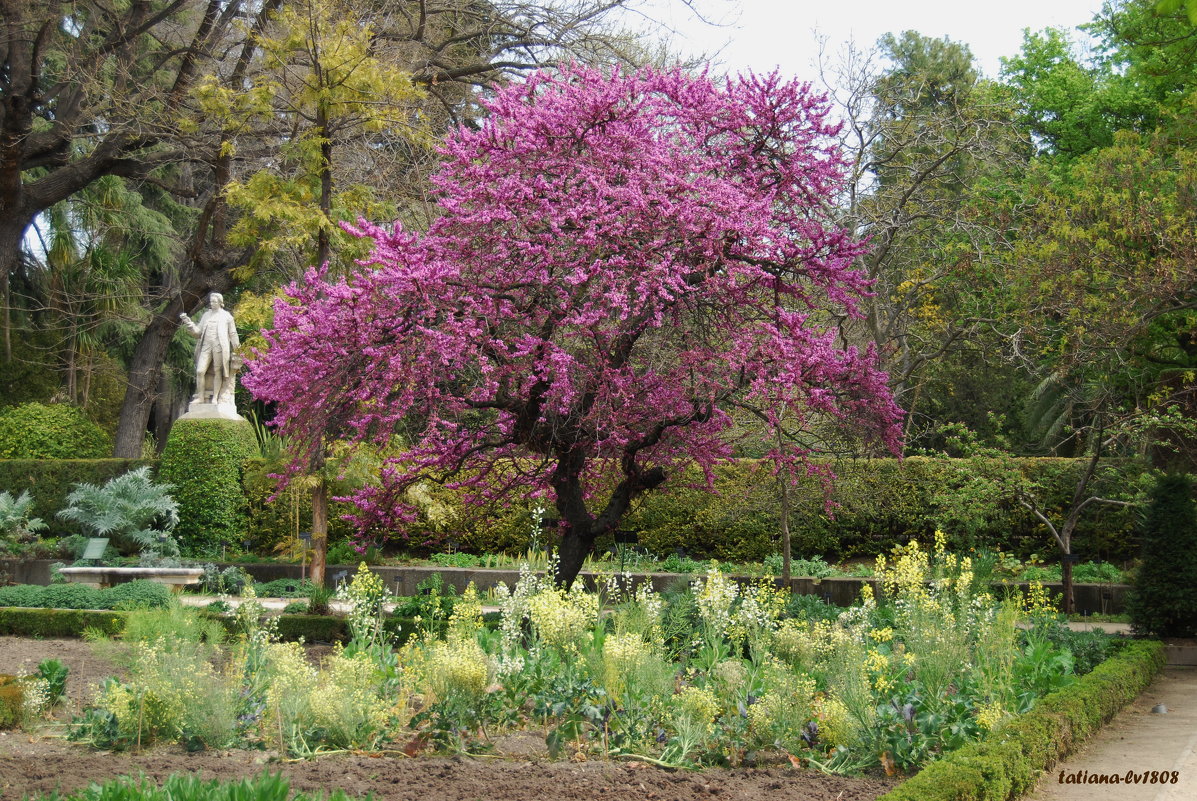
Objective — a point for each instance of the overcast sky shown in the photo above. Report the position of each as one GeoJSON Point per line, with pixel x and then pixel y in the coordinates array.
{"type": "Point", "coordinates": [765, 34]}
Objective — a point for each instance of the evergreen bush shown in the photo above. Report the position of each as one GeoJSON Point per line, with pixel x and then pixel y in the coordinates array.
{"type": "Point", "coordinates": [50, 431]}
{"type": "Point", "coordinates": [205, 461]}
{"type": "Point", "coordinates": [139, 594]}
{"type": "Point", "coordinates": [1164, 599]}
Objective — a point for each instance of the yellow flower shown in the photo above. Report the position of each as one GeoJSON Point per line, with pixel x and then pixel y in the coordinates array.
{"type": "Point", "coordinates": [882, 635]}
{"type": "Point", "coordinates": [990, 714]}
{"type": "Point", "coordinates": [699, 705]}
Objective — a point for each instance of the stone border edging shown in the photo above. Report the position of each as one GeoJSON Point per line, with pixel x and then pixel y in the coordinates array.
{"type": "Point", "coordinates": [1008, 763]}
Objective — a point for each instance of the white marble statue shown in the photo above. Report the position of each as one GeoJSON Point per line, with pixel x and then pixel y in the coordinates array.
{"type": "Point", "coordinates": [216, 363]}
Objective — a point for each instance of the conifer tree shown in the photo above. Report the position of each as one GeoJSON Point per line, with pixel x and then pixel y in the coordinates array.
{"type": "Point", "coordinates": [1164, 600]}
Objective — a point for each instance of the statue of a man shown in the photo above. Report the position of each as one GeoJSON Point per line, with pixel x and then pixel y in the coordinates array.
{"type": "Point", "coordinates": [216, 340]}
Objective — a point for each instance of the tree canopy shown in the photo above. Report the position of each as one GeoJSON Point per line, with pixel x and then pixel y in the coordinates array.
{"type": "Point", "coordinates": [621, 260]}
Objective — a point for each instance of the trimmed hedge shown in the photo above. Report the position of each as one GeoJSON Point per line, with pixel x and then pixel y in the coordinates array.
{"type": "Point", "coordinates": [1011, 759]}
{"type": "Point", "coordinates": [204, 460]}
{"type": "Point", "coordinates": [59, 622]}
{"type": "Point", "coordinates": [50, 431]}
{"type": "Point", "coordinates": [49, 481]}
{"type": "Point", "coordinates": [881, 503]}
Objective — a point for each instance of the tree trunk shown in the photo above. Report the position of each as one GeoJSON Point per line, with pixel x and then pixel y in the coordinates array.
{"type": "Point", "coordinates": [1069, 600]}
{"type": "Point", "coordinates": [785, 533]}
{"type": "Point", "coordinates": [323, 241]}
{"type": "Point", "coordinates": [577, 541]}
{"type": "Point", "coordinates": [319, 523]}
{"type": "Point", "coordinates": [6, 320]}
{"type": "Point", "coordinates": [145, 372]}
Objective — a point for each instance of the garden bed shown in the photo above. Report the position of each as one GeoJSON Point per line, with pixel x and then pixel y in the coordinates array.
{"type": "Point", "coordinates": [47, 765]}
{"type": "Point", "coordinates": [41, 764]}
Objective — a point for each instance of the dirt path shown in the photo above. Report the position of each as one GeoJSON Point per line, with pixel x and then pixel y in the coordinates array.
{"type": "Point", "coordinates": [1135, 743]}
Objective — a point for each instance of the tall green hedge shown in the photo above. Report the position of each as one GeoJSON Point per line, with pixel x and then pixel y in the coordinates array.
{"type": "Point", "coordinates": [50, 431]}
{"type": "Point", "coordinates": [880, 503]}
{"type": "Point", "coordinates": [49, 481]}
{"type": "Point", "coordinates": [204, 460]}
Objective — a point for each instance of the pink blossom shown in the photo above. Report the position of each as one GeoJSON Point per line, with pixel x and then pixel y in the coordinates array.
{"type": "Point", "coordinates": [621, 259]}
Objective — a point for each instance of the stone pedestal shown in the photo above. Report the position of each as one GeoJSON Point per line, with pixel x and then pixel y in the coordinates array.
{"type": "Point", "coordinates": [211, 411]}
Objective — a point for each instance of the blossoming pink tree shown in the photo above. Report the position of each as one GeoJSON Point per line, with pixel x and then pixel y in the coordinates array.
{"type": "Point", "coordinates": [620, 261]}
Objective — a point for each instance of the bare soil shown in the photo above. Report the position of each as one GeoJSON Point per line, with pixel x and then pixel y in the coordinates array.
{"type": "Point", "coordinates": [43, 761]}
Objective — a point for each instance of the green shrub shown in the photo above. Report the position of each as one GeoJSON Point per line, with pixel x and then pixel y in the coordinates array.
{"type": "Point", "coordinates": [1164, 599]}
{"type": "Point", "coordinates": [54, 431]}
{"type": "Point", "coordinates": [49, 481]}
{"type": "Point", "coordinates": [230, 581]}
{"type": "Point", "coordinates": [17, 524]}
{"type": "Point", "coordinates": [138, 594]}
{"type": "Point", "coordinates": [284, 588]}
{"type": "Point", "coordinates": [218, 607]}
{"type": "Point", "coordinates": [59, 622]}
{"type": "Point", "coordinates": [297, 608]}
{"type": "Point", "coordinates": [22, 595]}
{"type": "Point", "coordinates": [72, 596]}
{"type": "Point", "coordinates": [205, 461]}
{"type": "Point", "coordinates": [54, 673]}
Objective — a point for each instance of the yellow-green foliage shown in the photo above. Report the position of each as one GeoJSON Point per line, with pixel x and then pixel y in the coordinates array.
{"type": "Point", "coordinates": [271, 520]}
{"type": "Point", "coordinates": [340, 704]}
{"type": "Point", "coordinates": [174, 692]}
{"type": "Point", "coordinates": [53, 431]}
{"type": "Point", "coordinates": [12, 701]}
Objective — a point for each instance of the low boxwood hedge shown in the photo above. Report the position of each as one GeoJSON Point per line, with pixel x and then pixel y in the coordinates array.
{"type": "Point", "coordinates": [1011, 759]}
{"type": "Point", "coordinates": [58, 622]}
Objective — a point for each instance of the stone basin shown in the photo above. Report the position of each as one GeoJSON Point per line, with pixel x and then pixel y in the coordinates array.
{"type": "Point", "coordinates": [99, 577]}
